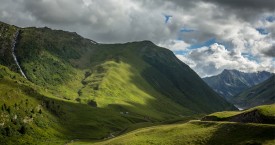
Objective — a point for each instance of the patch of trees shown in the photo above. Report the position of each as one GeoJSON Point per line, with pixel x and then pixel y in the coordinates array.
{"type": "Point", "coordinates": [53, 107]}
{"type": "Point", "coordinates": [15, 118]}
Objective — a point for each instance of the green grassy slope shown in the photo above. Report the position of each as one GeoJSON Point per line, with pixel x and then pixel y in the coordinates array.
{"type": "Point", "coordinates": [263, 93]}
{"type": "Point", "coordinates": [153, 70]}
{"type": "Point", "coordinates": [30, 114]}
{"type": "Point", "coordinates": [206, 132]}
{"type": "Point", "coordinates": [261, 114]}
{"type": "Point", "coordinates": [87, 72]}
{"type": "Point", "coordinates": [26, 115]}
{"type": "Point", "coordinates": [89, 91]}
{"type": "Point", "coordinates": [197, 132]}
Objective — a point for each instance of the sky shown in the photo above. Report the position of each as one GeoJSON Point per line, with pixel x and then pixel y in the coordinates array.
{"type": "Point", "coordinates": [208, 35]}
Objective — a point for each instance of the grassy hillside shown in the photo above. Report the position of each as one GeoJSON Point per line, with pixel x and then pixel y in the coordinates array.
{"type": "Point", "coordinates": [26, 115]}
{"type": "Point", "coordinates": [30, 114]}
{"type": "Point", "coordinates": [85, 71]}
{"type": "Point", "coordinates": [81, 90]}
{"type": "Point", "coordinates": [196, 132]}
{"type": "Point", "coordinates": [261, 114]}
{"type": "Point", "coordinates": [213, 130]}
{"type": "Point", "coordinates": [137, 77]}
{"type": "Point", "coordinates": [263, 93]}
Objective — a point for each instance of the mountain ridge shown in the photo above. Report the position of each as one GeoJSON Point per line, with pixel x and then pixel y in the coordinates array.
{"type": "Point", "coordinates": [232, 82]}
{"type": "Point", "coordinates": [98, 89]}
{"type": "Point", "coordinates": [261, 94]}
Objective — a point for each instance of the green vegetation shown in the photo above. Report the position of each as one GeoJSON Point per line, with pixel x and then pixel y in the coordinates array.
{"type": "Point", "coordinates": [196, 132]}
{"type": "Point", "coordinates": [6, 36]}
{"type": "Point", "coordinates": [202, 132]}
{"type": "Point", "coordinates": [80, 90]}
{"type": "Point", "coordinates": [26, 116]}
{"type": "Point", "coordinates": [260, 114]}
{"type": "Point", "coordinates": [30, 114]}
{"type": "Point", "coordinates": [125, 77]}
{"type": "Point", "coordinates": [267, 110]}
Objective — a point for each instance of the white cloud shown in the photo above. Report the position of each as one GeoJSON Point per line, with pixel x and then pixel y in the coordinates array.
{"type": "Point", "coordinates": [215, 58]}
{"type": "Point", "coordinates": [174, 45]}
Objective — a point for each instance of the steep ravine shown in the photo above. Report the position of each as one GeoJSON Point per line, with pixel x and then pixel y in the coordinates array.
{"type": "Point", "coordinates": [14, 41]}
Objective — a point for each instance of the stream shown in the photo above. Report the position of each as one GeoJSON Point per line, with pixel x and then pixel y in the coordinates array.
{"type": "Point", "coordinates": [14, 41]}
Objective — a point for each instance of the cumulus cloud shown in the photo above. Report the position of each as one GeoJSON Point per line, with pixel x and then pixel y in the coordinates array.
{"type": "Point", "coordinates": [215, 58]}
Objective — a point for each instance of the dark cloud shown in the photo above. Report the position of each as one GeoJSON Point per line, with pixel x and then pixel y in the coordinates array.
{"type": "Point", "coordinates": [55, 11]}
{"type": "Point", "coordinates": [247, 10]}
{"type": "Point", "coordinates": [271, 51]}
{"type": "Point", "coordinates": [246, 4]}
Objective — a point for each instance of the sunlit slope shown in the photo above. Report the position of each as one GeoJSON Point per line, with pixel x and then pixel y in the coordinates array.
{"type": "Point", "coordinates": [253, 126]}
{"type": "Point", "coordinates": [24, 115]}
{"type": "Point", "coordinates": [92, 91]}
{"type": "Point", "coordinates": [196, 132]}
{"type": "Point", "coordinates": [262, 114]}
{"type": "Point", "coordinates": [132, 76]}
{"type": "Point", "coordinates": [31, 115]}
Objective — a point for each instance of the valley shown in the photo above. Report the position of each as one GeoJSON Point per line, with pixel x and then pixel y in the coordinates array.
{"type": "Point", "coordinates": [57, 87]}
{"type": "Point", "coordinates": [209, 131]}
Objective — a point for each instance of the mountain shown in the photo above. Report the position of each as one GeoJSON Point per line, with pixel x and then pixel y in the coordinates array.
{"type": "Point", "coordinates": [263, 93]}
{"type": "Point", "coordinates": [232, 82]}
{"type": "Point", "coordinates": [58, 86]}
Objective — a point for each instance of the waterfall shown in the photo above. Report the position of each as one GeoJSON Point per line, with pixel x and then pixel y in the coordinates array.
{"type": "Point", "coordinates": [14, 41]}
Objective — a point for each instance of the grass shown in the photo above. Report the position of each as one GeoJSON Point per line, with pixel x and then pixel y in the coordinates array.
{"type": "Point", "coordinates": [62, 120]}
{"type": "Point", "coordinates": [196, 132]}
{"type": "Point", "coordinates": [24, 120]}
{"type": "Point", "coordinates": [88, 91]}
{"type": "Point", "coordinates": [114, 75]}
{"type": "Point", "coordinates": [266, 110]}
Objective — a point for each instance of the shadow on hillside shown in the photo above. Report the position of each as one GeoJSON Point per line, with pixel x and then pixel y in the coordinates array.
{"type": "Point", "coordinates": [236, 133]}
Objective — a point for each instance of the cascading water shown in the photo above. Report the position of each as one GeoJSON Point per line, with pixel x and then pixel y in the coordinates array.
{"type": "Point", "coordinates": [14, 41]}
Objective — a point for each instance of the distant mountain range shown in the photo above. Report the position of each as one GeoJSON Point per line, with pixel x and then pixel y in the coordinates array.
{"type": "Point", "coordinates": [263, 93]}
{"type": "Point", "coordinates": [232, 82]}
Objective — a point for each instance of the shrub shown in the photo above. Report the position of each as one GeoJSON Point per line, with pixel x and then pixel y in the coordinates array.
{"type": "Point", "coordinates": [92, 103]}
